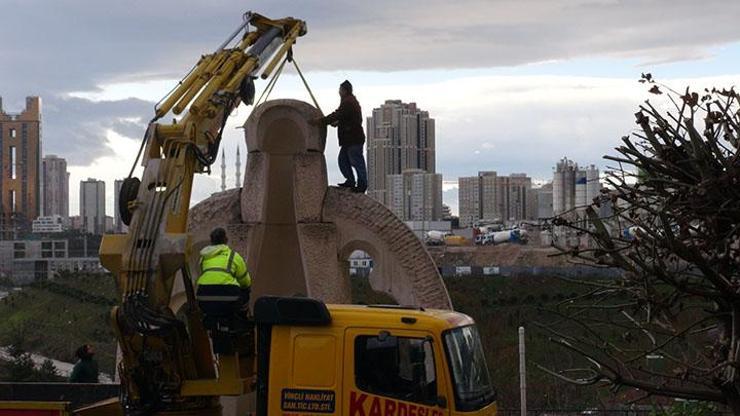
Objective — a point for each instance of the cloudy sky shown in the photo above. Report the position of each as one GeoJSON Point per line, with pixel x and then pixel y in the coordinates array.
{"type": "Point", "coordinates": [514, 84]}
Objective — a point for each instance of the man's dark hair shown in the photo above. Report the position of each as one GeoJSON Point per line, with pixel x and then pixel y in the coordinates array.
{"type": "Point", "coordinates": [82, 352]}
{"type": "Point", "coordinates": [218, 236]}
{"type": "Point", "coordinates": [347, 86]}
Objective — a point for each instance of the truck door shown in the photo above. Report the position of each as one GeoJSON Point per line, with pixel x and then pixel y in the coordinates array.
{"type": "Point", "coordinates": [305, 371]}
{"type": "Point", "coordinates": [392, 373]}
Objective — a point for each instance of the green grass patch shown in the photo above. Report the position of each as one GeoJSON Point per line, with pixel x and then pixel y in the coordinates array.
{"type": "Point", "coordinates": [54, 318]}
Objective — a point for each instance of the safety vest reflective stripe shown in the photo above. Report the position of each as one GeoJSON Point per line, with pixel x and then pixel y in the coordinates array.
{"type": "Point", "coordinates": [217, 269]}
{"type": "Point", "coordinates": [229, 263]}
{"type": "Point", "coordinates": [224, 298]}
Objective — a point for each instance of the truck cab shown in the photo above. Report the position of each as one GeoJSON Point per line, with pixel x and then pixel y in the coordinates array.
{"type": "Point", "coordinates": [315, 359]}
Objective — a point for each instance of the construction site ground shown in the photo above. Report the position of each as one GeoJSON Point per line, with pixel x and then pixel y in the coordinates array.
{"type": "Point", "coordinates": [499, 255]}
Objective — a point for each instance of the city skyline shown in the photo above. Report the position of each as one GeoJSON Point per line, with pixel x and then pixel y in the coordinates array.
{"type": "Point", "coordinates": [53, 198]}
{"type": "Point", "coordinates": [509, 101]}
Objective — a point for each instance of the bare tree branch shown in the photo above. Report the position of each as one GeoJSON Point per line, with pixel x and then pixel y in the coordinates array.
{"type": "Point", "coordinates": [674, 231]}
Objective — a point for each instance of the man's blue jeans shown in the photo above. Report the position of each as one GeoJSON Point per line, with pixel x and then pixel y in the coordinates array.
{"type": "Point", "coordinates": [352, 157]}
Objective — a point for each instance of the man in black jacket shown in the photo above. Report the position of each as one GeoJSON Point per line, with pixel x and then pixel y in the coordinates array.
{"type": "Point", "coordinates": [86, 368]}
{"type": "Point", "coordinates": [348, 121]}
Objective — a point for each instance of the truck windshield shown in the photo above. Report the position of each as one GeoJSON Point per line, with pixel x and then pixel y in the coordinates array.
{"type": "Point", "coordinates": [473, 389]}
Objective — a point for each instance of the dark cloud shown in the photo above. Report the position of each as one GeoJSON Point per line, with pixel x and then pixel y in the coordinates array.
{"type": "Point", "coordinates": [51, 48]}
{"type": "Point", "coordinates": [76, 128]}
{"type": "Point", "coordinates": [67, 45]}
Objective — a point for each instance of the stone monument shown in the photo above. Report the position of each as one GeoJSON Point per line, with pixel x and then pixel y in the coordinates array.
{"type": "Point", "coordinates": [296, 233]}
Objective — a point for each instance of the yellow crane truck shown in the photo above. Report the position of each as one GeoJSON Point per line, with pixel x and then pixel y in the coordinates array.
{"type": "Point", "coordinates": [296, 356]}
{"type": "Point", "coordinates": [367, 360]}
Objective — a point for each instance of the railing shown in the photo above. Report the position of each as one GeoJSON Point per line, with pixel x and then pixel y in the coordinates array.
{"type": "Point", "coordinates": [76, 394]}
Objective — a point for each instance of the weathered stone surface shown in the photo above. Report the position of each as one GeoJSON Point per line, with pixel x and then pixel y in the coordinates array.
{"type": "Point", "coordinates": [275, 261]}
{"type": "Point", "coordinates": [296, 233]}
{"type": "Point", "coordinates": [253, 195]}
{"type": "Point", "coordinates": [220, 207]}
{"type": "Point", "coordinates": [260, 138]}
{"type": "Point", "coordinates": [323, 269]}
{"type": "Point", "coordinates": [220, 210]}
{"type": "Point", "coordinates": [310, 186]}
{"type": "Point", "coordinates": [401, 265]}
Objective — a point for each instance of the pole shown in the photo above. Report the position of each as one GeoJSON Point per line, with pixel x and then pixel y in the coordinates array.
{"type": "Point", "coordinates": [522, 373]}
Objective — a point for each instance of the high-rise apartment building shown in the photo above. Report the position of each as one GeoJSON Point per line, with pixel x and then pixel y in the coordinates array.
{"type": "Point", "coordinates": [514, 197]}
{"type": "Point", "coordinates": [491, 197]}
{"type": "Point", "coordinates": [469, 201]}
{"type": "Point", "coordinates": [488, 193]}
{"type": "Point", "coordinates": [21, 188]}
{"type": "Point", "coordinates": [56, 187]}
{"type": "Point", "coordinates": [573, 188]}
{"type": "Point", "coordinates": [543, 197]}
{"type": "Point", "coordinates": [415, 195]}
{"type": "Point", "coordinates": [400, 136]}
{"type": "Point", "coordinates": [92, 206]}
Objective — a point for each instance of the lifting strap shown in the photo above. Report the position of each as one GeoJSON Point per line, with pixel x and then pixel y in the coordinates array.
{"type": "Point", "coordinates": [220, 269]}
{"type": "Point", "coordinates": [271, 84]}
{"type": "Point", "coordinates": [305, 83]}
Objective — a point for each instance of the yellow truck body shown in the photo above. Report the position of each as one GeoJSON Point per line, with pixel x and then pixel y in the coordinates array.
{"type": "Point", "coordinates": [376, 360]}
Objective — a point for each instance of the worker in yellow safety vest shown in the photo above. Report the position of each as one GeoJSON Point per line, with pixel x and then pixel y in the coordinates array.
{"type": "Point", "coordinates": [224, 283]}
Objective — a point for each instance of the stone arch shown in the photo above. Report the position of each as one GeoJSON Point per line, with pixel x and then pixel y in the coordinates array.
{"type": "Point", "coordinates": [405, 270]}
{"type": "Point", "coordinates": [353, 245]}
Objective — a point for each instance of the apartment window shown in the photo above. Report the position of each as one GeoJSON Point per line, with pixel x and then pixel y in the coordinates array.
{"type": "Point", "coordinates": [13, 205]}
{"type": "Point", "coordinates": [12, 133]}
{"type": "Point", "coordinates": [12, 162]}
{"type": "Point", "coordinates": [59, 245]}
{"type": "Point", "coordinates": [59, 254]}
{"type": "Point", "coordinates": [19, 250]}
{"type": "Point", "coordinates": [46, 245]}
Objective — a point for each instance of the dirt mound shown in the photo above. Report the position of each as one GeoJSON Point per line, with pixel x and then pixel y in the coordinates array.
{"type": "Point", "coordinates": [501, 255]}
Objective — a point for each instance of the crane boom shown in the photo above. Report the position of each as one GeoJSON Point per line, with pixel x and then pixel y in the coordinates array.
{"type": "Point", "coordinates": [166, 364]}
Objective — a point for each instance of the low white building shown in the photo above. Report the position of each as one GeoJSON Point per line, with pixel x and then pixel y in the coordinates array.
{"type": "Point", "coordinates": [360, 264]}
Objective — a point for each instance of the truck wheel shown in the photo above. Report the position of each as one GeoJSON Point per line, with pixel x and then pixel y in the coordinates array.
{"type": "Point", "coordinates": [129, 190]}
